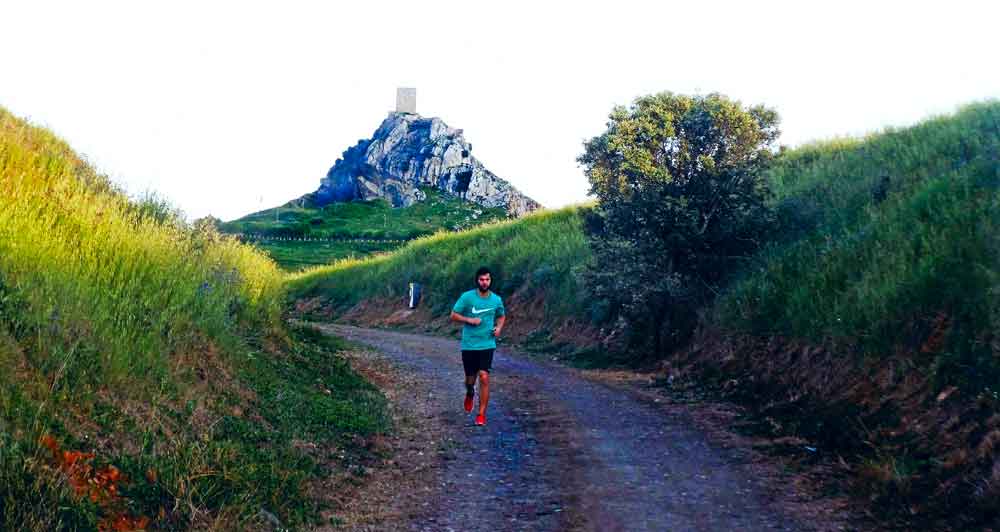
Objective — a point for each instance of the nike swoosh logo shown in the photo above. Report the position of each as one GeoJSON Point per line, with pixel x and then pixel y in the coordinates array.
{"type": "Point", "coordinates": [480, 311]}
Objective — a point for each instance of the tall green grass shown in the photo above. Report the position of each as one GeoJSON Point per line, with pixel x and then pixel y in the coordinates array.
{"type": "Point", "coordinates": [829, 185]}
{"type": "Point", "coordinates": [156, 345]}
{"type": "Point", "coordinates": [544, 251]}
{"type": "Point", "coordinates": [881, 235]}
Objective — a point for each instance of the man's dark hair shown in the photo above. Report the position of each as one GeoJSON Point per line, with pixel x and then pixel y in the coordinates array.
{"type": "Point", "coordinates": [482, 271]}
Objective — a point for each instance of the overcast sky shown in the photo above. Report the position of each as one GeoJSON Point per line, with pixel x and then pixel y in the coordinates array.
{"type": "Point", "coordinates": [217, 105]}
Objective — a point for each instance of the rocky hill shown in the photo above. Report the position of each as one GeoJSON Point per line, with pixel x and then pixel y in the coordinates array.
{"type": "Point", "coordinates": [407, 152]}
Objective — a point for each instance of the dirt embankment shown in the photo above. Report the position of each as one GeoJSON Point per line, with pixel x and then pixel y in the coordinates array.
{"type": "Point", "coordinates": [917, 457]}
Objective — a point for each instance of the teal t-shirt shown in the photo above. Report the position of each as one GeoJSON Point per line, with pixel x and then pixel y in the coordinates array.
{"type": "Point", "coordinates": [471, 305]}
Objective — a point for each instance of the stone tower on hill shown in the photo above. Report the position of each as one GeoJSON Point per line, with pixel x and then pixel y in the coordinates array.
{"type": "Point", "coordinates": [406, 100]}
{"type": "Point", "coordinates": [409, 151]}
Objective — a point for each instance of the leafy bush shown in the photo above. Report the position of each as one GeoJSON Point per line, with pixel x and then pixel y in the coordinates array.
{"type": "Point", "coordinates": [681, 203]}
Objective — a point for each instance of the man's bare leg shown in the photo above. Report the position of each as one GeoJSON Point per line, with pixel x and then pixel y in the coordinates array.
{"type": "Point", "coordinates": [470, 382]}
{"type": "Point", "coordinates": [484, 391]}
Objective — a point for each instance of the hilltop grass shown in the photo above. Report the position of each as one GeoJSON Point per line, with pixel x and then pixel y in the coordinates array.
{"type": "Point", "coordinates": [367, 219]}
{"type": "Point", "coordinates": [145, 371]}
{"type": "Point", "coordinates": [543, 252]}
{"type": "Point", "coordinates": [375, 221]}
{"type": "Point", "coordinates": [294, 256]}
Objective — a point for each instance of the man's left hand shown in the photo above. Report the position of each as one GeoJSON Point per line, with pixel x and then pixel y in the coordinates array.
{"type": "Point", "coordinates": [496, 332]}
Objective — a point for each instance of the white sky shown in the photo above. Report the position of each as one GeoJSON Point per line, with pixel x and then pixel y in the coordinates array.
{"type": "Point", "coordinates": [215, 105]}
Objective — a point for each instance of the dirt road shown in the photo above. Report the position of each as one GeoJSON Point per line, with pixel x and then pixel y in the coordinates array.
{"type": "Point", "coordinates": [559, 452]}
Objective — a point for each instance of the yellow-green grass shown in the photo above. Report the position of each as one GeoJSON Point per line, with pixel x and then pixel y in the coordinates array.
{"type": "Point", "coordinates": [158, 347]}
{"type": "Point", "coordinates": [76, 256]}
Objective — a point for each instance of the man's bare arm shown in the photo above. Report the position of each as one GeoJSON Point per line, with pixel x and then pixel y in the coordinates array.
{"type": "Point", "coordinates": [499, 326]}
{"type": "Point", "coordinates": [460, 318]}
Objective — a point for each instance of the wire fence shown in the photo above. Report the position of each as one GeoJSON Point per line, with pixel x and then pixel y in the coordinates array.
{"type": "Point", "coordinates": [259, 237]}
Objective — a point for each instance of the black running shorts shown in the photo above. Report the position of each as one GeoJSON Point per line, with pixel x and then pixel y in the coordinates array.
{"type": "Point", "coordinates": [476, 361]}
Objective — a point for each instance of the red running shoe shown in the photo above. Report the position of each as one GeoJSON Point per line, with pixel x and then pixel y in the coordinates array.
{"type": "Point", "coordinates": [480, 419]}
{"type": "Point", "coordinates": [468, 403]}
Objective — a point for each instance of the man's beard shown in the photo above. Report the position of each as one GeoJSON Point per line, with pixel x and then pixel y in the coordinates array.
{"type": "Point", "coordinates": [481, 289]}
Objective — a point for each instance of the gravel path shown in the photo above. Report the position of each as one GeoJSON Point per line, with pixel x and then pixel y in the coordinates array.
{"type": "Point", "coordinates": [560, 452]}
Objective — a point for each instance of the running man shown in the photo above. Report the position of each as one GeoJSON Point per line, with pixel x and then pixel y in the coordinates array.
{"type": "Point", "coordinates": [478, 309]}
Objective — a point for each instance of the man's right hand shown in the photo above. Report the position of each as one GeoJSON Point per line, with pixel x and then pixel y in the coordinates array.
{"type": "Point", "coordinates": [460, 318]}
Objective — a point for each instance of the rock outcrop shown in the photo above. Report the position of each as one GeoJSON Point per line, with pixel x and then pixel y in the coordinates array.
{"type": "Point", "coordinates": [409, 151]}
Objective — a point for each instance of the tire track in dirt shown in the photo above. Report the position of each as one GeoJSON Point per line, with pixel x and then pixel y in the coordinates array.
{"type": "Point", "coordinates": [560, 452]}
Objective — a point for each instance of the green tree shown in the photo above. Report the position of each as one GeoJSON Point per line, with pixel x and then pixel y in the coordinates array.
{"type": "Point", "coordinates": [681, 198]}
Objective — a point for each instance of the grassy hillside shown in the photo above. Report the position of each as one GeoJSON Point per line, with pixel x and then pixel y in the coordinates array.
{"type": "Point", "coordinates": [871, 324]}
{"type": "Point", "coordinates": [881, 237]}
{"type": "Point", "coordinates": [867, 328]}
{"type": "Point", "coordinates": [146, 378]}
{"type": "Point", "coordinates": [298, 235]}
{"type": "Point", "coordinates": [542, 250]}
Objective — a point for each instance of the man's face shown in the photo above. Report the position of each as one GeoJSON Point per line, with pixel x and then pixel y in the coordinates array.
{"type": "Point", "coordinates": [484, 282]}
